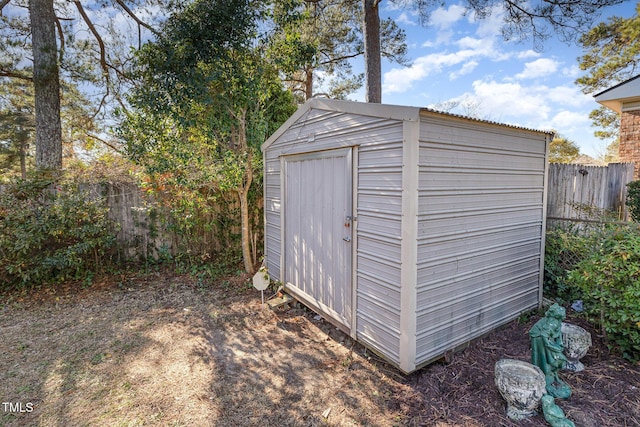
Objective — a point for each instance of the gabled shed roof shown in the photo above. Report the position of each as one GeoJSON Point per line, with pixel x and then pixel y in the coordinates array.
{"type": "Point", "coordinates": [397, 112]}
{"type": "Point", "coordinates": [624, 92]}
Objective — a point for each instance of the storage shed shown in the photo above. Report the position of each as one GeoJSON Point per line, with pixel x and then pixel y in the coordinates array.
{"type": "Point", "coordinates": [412, 230]}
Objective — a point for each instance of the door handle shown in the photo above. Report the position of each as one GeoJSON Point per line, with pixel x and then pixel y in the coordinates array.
{"type": "Point", "coordinates": [346, 239]}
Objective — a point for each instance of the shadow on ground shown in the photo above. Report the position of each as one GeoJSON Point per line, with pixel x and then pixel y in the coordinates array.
{"type": "Point", "coordinates": [160, 350]}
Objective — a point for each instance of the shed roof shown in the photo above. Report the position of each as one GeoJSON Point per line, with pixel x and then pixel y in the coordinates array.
{"type": "Point", "coordinates": [615, 96]}
{"type": "Point", "coordinates": [397, 112]}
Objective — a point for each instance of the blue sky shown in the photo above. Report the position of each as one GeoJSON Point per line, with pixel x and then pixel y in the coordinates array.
{"type": "Point", "coordinates": [459, 60]}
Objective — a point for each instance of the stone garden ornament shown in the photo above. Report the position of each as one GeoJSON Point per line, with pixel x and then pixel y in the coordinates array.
{"type": "Point", "coordinates": [522, 385]}
{"type": "Point", "coordinates": [576, 342]}
{"type": "Point", "coordinates": [547, 350]}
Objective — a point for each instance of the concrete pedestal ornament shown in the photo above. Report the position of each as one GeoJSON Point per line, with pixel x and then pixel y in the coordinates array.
{"type": "Point", "coordinates": [522, 385]}
{"type": "Point", "coordinates": [576, 343]}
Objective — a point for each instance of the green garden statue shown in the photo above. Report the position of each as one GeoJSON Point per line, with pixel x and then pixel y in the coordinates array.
{"type": "Point", "coordinates": [554, 414]}
{"type": "Point", "coordinates": [546, 350]}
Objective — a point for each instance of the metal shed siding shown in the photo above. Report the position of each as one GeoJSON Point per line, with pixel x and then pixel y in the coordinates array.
{"type": "Point", "coordinates": [379, 217]}
{"type": "Point", "coordinates": [449, 227]}
{"type": "Point", "coordinates": [316, 130]}
{"type": "Point", "coordinates": [378, 210]}
{"type": "Point", "coordinates": [481, 200]}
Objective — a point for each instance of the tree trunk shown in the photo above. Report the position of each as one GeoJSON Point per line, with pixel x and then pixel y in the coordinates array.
{"type": "Point", "coordinates": [308, 83]}
{"type": "Point", "coordinates": [243, 191]}
{"type": "Point", "coordinates": [371, 32]}
{"type": "Point", "coordinates": [23, 160]}
{"type": "Point", "coordinates": [247, 256]}
{"type": "Point", "coordinates": [46, 85]}
{"type": "Point", "coordinates": [243, 195]}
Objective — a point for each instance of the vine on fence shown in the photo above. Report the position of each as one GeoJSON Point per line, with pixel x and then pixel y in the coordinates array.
{"type": "Point", "coordinates": [633, 200]}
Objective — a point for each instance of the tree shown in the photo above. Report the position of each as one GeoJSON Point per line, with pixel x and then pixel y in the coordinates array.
{"type": "Point", "coordinates": [537, 19]}
{"type": "Point", "coordinates": [372, 67]}
{"type": "Point", "coordinates": [328, 35]}
{"type": "Point", "coordinates": [563, 150]}
{"type": "Point", "coordinates": [17, 126]}
{"type": "Point", "coordinates": [206, 99]}
{"type": "Point", "coordinates": [46, 83]}
{"type": "Point", "coordinates": [612, 55]}
{"type": "Point", "coordinates": [42, 42]}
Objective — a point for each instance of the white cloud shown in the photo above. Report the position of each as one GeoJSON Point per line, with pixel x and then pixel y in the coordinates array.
{"type": "Point", "coordinates": [526, 54]}
{"type": "Point", "coordinates": [491, 25]}
{"type": "Point", "coordinates": [570, 96]}
{"type": "Point", "coordinates": [403, 18]}
{"type": "Point", "coordinates": [511, 100]}
{"type": "Point", "coordinates": [402, 79]}
{"type": "Point", "coordinates": [466, 68]}
{"type": "Point", "coordinates": [483, 47]}
{"type": "Point", "coordinates": [472, 43]}
{"type": "Point", "coordinates": [445, 18]}
{"type": "Point", "coordinates": [572, 71]}
{"type": "Point", "coordinates": [569, 121]}
{"type": "Point", "coordinates": [539, 68]}
{"type": "Point", "coordinates": [538, 107]}
{"type": "Point", "coordinates": [442, 37]}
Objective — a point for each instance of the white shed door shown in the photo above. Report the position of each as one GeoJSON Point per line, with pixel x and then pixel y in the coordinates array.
{"type": "Point", "coordinates": [318, 230]}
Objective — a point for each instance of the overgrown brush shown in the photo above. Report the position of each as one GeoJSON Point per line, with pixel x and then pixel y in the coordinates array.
{"type": "Point", "coordinates": [50, 230]}
{"type": "Point", "coordinates": [599, 263]}
{"type": "Point", "coordinates": [608, 280]}
{"type": "Point", "coordinates": [565, 248]}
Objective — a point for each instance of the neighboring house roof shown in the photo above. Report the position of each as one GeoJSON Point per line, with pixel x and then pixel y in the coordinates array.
{"type": "Point", "coordinates": [625, 92]}
{"type": "Point", "coordinates": [585, 160]}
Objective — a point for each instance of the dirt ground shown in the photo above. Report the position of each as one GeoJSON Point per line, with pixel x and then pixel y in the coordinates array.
{"type": "Point", "coordinates": [163, 350]}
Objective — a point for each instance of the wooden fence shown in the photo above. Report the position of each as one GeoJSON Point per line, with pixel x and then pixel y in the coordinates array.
{"type": "Point", "coordinates": [144, 229]}
{"type": "Point", "coordinates": [142, 225]}
{"type": "Point", "coordinates": [140, 234]}
{"type": "Point", "coordinates": [584, 193]}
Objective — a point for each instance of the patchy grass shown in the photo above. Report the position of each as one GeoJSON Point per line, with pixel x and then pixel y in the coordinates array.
{"type": "Point", "coordinates": [162, 351]}
{"type": "Point", "coordinates": [165, 350]}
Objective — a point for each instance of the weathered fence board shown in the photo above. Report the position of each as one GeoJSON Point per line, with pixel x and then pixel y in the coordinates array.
{"type": "Point", "coordinates": [571, 188]}
{"type": "Point", "coordinates": [142, 225]}
{"type": "Point", "coordinates": [140, 234]}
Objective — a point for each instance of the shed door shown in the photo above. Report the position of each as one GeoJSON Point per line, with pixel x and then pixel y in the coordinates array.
{"type": "Point", "coordinates": [318, 230]}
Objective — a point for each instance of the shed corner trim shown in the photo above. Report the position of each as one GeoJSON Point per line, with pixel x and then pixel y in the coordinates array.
{"type": "Point", "coordinates": [409, 248]}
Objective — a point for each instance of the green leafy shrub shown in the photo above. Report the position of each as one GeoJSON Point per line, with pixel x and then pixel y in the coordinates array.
{"type": "Point", "coordinates": [50, 231]}
{"type": "Point", "coordinates": [633, 200]}
{"type": "Point", "coordinates": [609, 280]}
{"type": "Point", "coordinates": [566, 247]}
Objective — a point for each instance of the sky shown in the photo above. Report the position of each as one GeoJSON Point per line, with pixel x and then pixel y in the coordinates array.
{"type": "Point", "coordinates": [458, 60]}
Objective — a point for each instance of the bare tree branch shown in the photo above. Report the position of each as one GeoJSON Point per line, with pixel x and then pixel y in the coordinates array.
{"type": "Point", "coordinates": [61, 39]}
{"type": "Point", "coordinates": [16, 75]}
{"type": "Point", "coordinates": [92, 28]}
{"type": "Point", "coordinates": [3, 3]}
{"type": "Point", "coordinates": [108, 144]}
{"type": "Point", "coordinates": [103, 55]}
{"type": "Point", "coordinates": [135, 18]}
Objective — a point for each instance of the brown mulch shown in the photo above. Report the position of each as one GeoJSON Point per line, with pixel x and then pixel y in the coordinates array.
{"type": "Point", "coordinates": [162, 349]}
{"type": "Point", "coordinates": [606, 393]}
